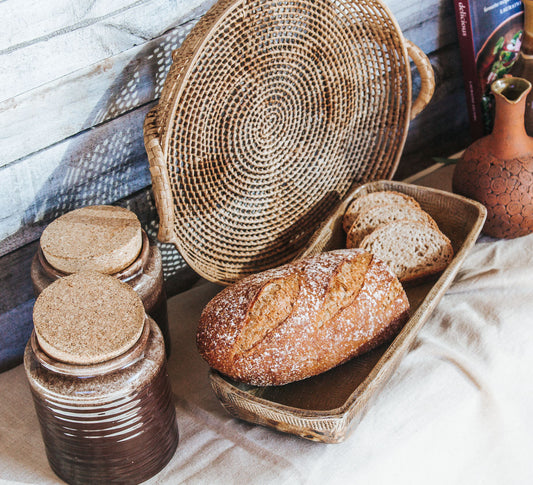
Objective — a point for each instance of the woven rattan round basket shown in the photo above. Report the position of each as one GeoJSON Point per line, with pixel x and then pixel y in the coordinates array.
{"type": "Point", "coordinates": [270, 112]}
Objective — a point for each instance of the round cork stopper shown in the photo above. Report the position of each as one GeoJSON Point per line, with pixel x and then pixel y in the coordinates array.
{"type": "Point", "coordinates": [87, 318]}
{"type": "Point", "coordinates": [100, 238]}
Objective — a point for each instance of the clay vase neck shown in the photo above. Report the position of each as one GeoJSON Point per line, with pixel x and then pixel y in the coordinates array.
{"type": "Point", "coordinates": [509, 137]}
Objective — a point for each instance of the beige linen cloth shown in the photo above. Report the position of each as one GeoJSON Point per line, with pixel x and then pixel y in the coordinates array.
{"type": "Point", "coordinates": [459, 409]}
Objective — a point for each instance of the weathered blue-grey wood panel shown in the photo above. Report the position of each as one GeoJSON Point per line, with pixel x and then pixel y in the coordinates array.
{"type": "Point", "coordinates": [39, 44]}
{"type": "Point", "coordinates": [77, 79]}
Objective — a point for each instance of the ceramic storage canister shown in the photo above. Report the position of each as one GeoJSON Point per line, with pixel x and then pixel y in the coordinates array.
{"type": "Point", "coordinates": [109, 240]}
{"type": "Point", "coordinates": [497, 170]}
{"type": "Point", "coordinates": [97, 372]}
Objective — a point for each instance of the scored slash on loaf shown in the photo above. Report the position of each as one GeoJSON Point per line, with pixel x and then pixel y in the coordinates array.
{"type": "Point", "coordinates": [302, 319]}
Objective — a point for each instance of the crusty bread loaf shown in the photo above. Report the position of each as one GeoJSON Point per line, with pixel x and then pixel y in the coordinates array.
{"type": "Point", "coordinates": [413, 250]}
{"type": "Point", "coordinates": [378, 215]}
{"type": "Point", "coordinates": [301, 319]}
{"type": "Point", "coordinates": [373, 199]}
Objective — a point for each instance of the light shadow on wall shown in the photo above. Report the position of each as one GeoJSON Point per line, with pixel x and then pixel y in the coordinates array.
{"type": "Point", "coordinates": [108, 163]}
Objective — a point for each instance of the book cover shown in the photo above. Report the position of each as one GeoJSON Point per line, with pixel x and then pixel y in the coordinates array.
{"type": "Point", "coordinates": [489, 33]}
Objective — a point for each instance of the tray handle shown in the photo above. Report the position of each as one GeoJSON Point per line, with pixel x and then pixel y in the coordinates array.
{"type": "Point", "coordinates": [160, 179]}
{"type": "Point", "coordinates": [427, 77]}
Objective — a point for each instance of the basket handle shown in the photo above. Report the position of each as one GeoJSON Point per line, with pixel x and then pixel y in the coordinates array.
{"type": "Point", "coordinates": [160, 179]}
{"type": "Point", "coordinates": [427, 76]}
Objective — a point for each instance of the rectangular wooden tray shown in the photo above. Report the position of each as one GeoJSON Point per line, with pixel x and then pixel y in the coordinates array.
{"type": "Point", "coordinates": [328, 407]}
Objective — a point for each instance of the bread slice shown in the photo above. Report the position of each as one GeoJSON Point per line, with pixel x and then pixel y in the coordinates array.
{"type": "Point", "coordinates": [378, 215]}
{"type": "Point", "coordinates": [413, 250]}
{"type": "Point", "coordinates": [372, 199]}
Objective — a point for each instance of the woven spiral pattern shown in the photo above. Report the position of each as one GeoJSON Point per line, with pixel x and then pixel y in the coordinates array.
{"type": "Point", "coordinates": [271, 110]}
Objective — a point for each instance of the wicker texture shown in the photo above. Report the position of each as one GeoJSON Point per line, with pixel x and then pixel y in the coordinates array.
{"type": "Point", "coordinates": [270, 111]}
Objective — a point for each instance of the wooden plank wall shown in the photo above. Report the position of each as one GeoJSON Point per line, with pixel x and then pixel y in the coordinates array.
{"type": "Point", "coordinates": [76, 82]}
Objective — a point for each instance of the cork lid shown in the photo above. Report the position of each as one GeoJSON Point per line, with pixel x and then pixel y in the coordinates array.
{"type": "Point", "coordinates": [87, 317]}
{"type": "Point", "coordinates": [100, 238]}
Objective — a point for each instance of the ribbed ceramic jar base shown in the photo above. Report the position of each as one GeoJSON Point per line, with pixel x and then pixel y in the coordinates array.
{"type": "Point", "coordinates": [124, 441]}
{"type": "Point", "coordinates": [117, 427]}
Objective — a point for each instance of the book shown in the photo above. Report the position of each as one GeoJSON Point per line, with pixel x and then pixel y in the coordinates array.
{"type": "Point", "coordinates": [489, 33]}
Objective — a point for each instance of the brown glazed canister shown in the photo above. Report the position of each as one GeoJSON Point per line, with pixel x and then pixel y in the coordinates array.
{"type": "Point", "coordinates": [97, 372]}
{"type": "Point", "coordinates": [497, 170]}
{"type": "Point", "coordinates": [110, 240]}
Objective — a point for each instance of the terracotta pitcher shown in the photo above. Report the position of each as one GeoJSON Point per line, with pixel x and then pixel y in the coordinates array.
{"type": "Point", "coordinates": [497, 170]}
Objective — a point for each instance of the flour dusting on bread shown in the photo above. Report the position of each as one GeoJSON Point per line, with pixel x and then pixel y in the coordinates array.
{"type": "Point", "coordinates": [301, 319]}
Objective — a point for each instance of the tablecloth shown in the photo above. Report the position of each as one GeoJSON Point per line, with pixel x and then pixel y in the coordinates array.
{"type": "Point", "coordinates": [458, 410]}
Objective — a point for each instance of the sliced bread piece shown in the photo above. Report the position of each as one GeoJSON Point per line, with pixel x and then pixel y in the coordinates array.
{"type": "Point", "coordinates": [412, 249]}
{"type": "Point", "coordinates": [378, 215]}
{"type": "Point", "coordinates": [364, 202]}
